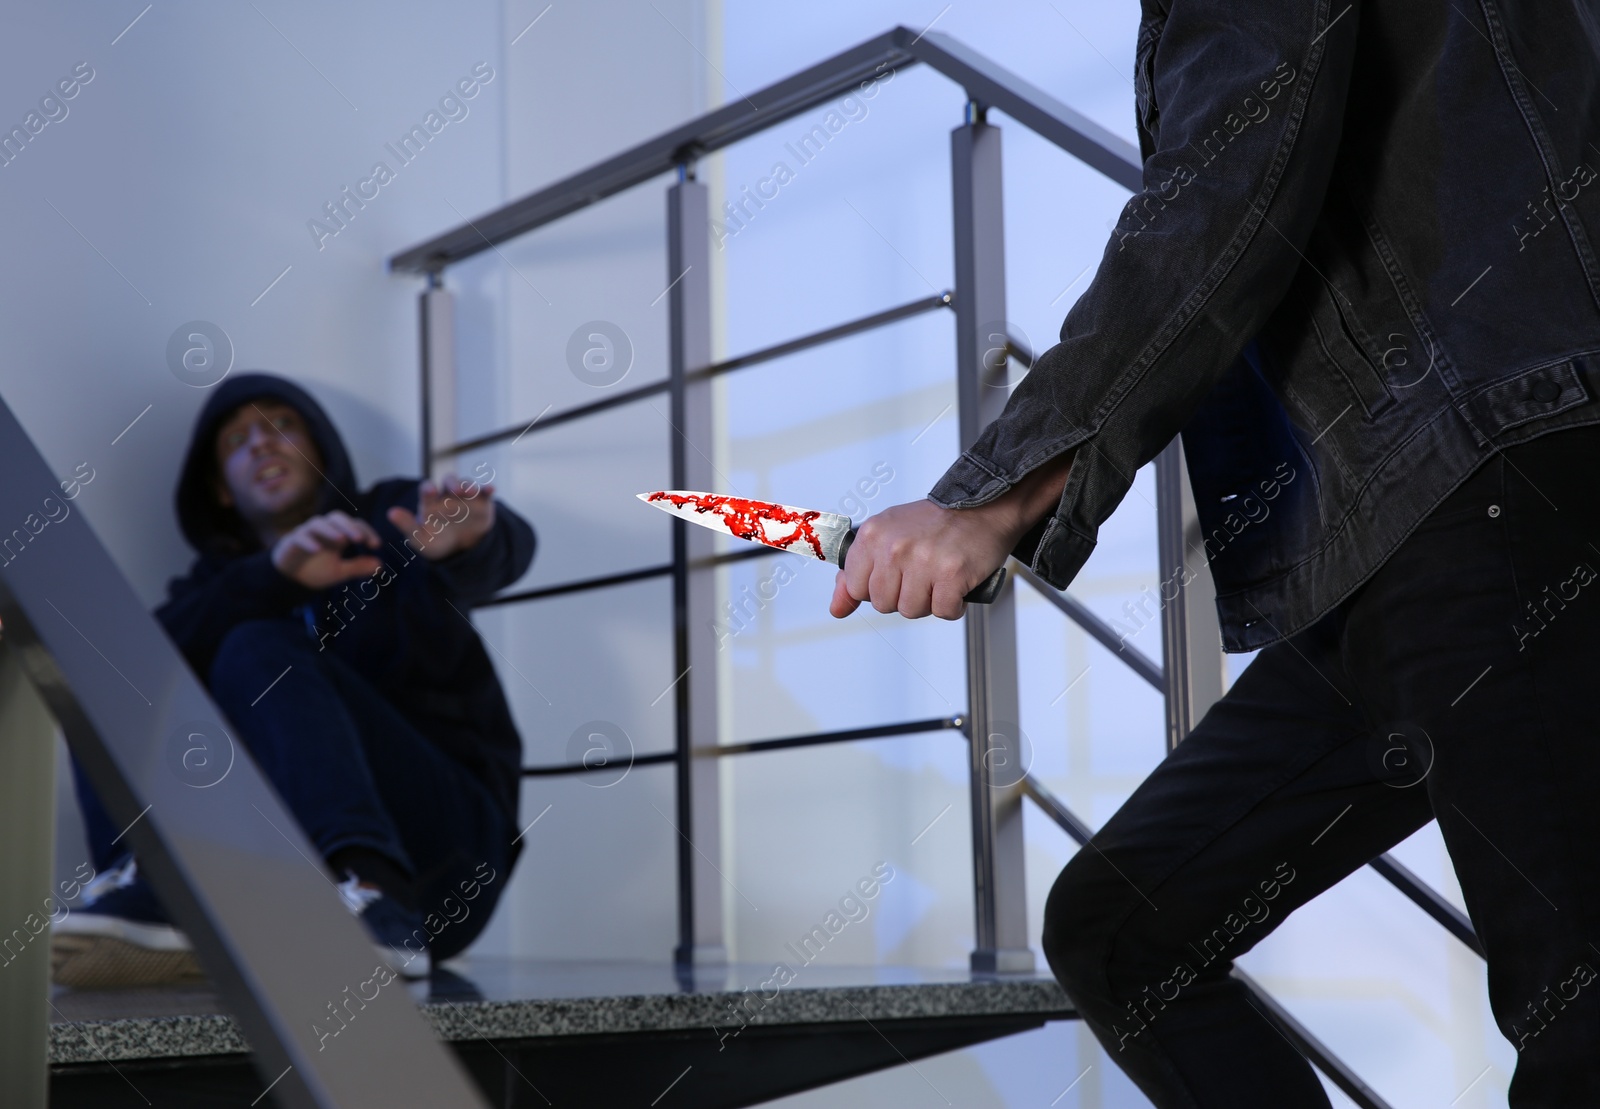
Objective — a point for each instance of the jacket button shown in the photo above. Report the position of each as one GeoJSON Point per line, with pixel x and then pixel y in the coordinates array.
{"type": "Point", "coordinates": [1545, 391]}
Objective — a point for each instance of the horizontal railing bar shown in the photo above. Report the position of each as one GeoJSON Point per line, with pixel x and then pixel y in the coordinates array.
{"type": "Point", "coordinates": [989, 84]}
{"type": "Point", "coordinates": [1297, 1034]}
{"type": "Point", "coordinates": [912, 727]}
{"type": "Point", "coordinates": [581, 768]}
{"type": "Point", "coordinates": [1017, 349]}
{"type": "Point", "coordinates": [815, 739]}
{"type": "Point", "coordinates": [1097, 628]}
{"type": "Point", "coordinates": [1311, 1047]}
{"type": "Point", "coordinates": [743, 554]}
{"type": "Point", "coordinates": [544, 423]}
{"type": "Point", "coordinates": [828, 335]}
{"type": "Point", "coordinates": [790, 346]}
{"type": "Point", "coordinates": [1430, 900]}
{"type": "Point", "coordinates": [624, 578]}
{"type": "Point", "coordinates": [580, 586]}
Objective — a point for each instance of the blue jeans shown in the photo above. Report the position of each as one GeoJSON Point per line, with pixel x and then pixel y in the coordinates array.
{"type": "Point", "coordinates": [1457, 684]}
{"type": "Point", "coordinates": [355, 773]}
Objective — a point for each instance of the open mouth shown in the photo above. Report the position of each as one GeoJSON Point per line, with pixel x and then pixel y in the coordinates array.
{"type": "Point", "coordinates": [271, 472]}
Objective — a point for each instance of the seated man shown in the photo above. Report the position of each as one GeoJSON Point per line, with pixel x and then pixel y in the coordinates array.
{"type": "Point", "coordinates": [330, 626]}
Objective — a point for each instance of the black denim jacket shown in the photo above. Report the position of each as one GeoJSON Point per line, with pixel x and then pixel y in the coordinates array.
{"type": "Point", "coordinates": [1362, 262]}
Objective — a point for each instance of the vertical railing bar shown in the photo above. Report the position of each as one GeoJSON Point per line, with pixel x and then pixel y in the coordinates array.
{"type": "Point", "coordinates": [999, 881]}
{"type": "Point", "coordinates": [697, 793]}
{"type": "Point", "coordinates": [424, 362]}
{"type": "Point", "coordinates": [1191, 642]}
{"type": "Point", "coordinates": [683, 789]}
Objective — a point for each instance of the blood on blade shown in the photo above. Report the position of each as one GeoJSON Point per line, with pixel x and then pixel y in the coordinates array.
{"type": "Point", "coordinates": [744, 518]}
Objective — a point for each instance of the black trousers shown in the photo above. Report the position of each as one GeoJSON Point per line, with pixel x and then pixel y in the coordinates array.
{"type": "Point", "coordinates": [355, 773]}
{"type": "Point", "coordinates": [1460, 683]}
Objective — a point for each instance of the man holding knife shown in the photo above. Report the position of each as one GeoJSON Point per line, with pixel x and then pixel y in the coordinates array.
{"type": "Point", "coordinates": [1361, 281]}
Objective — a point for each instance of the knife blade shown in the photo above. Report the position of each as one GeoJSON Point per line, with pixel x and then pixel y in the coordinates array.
{"type": "Point", "coordinates": [825, 536]}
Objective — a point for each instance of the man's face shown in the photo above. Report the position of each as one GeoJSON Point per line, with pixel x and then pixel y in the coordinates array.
{"type": "Point", "coordinates": [269, 466]}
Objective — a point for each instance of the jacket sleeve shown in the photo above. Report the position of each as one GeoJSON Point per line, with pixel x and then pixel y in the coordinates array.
{"type": "Point", "coordinates": [495, 561]}
{"type": "Point", "coordinates": [204, 606]}
{"type": "Point", "coordinates": [1241, 105]}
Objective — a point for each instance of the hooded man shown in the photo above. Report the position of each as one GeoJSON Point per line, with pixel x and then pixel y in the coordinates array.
{"type": "Point", "coordinates": [330, 626]}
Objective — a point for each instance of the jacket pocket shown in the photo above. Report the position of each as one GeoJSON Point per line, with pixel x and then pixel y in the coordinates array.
{"type": "Point", "coordinates": [1144, 69]}
{"type": "Point", "coordinates": [1343, 344]}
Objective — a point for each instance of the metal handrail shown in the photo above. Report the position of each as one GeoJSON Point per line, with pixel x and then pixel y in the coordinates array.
{"type": "Point", "coordinates": [989, 84]}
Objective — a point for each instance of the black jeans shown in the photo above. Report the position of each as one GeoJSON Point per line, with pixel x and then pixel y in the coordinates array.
{"type": "Point", "coordinates": [1459, 683]}
{"type": "Point", "coordinates": [356, 773]}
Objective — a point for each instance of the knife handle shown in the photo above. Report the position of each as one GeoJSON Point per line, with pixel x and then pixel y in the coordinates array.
{"type": "Point", "coordinates": [984, 593]}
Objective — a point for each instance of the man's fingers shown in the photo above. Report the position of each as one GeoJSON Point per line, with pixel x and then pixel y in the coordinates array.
{"type": "Point", "coordinates": [916, 597]}
{"type": "Point", "coordinates": [948, 600]}
{"type": "Point", "coordinates": [857, 569]}
{"type": "Point", "coordinates": [402, 519]}
{"type": "Point", "coordinates": [842, 604]}
{"type": "Point", "coordinates": [358, 529]}
{"type": "Point", "coordinates": [336, 527]}
{"type": "Point", "coordinates": [884, 587]}
{"type": "Point", "coordinates": [322, 533]}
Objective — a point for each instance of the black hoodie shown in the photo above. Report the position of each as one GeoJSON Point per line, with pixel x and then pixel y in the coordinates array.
{"type": "Point", "coordinates": [405, 629]}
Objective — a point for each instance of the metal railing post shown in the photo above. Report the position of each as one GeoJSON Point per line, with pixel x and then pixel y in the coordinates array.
{"type": "Point", "coordinates": [27, 901]}
{"type": "Point", "coordinates": [999, 885]}
{"type": "Point", "coordinates": [694, 598]}
{"type": "Point", "coordinates": [1191, 640]}
{"type": "Point", "coordinates": [436, 317]}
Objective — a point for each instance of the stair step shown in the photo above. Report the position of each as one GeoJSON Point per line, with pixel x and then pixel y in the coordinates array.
{"type": "Point", "coordinates": [578, 1032]}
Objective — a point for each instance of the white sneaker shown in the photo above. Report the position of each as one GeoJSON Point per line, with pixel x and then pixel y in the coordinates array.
{"type": "Point", "coordinates": [119, 937]}
{"type": "Point", "coordinates": [397, 932]}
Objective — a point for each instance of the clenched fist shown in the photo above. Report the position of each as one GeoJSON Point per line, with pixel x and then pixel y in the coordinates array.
{"type": "Point", "coordinates": [919, 559]}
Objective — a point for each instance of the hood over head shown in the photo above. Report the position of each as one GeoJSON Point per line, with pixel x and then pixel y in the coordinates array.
{"type": "Point", "coordinates": [211, 528]}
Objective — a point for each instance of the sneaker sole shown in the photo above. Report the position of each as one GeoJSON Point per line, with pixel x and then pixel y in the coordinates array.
{"type": "Point", "coordinates": [96, 961]}
{"type": "Point", "coordinates": [409, 965]}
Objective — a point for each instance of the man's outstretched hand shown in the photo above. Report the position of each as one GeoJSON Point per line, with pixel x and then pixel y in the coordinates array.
{"type": "Point", "coordinates": [451, 516]}
{"type": "Point", "coordinates": [919, 559]}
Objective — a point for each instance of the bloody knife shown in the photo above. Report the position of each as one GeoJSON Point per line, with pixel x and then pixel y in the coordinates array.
{"type": "Point", "coordinates": [821, 535]}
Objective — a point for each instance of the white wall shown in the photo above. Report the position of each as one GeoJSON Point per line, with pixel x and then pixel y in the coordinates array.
{"type": "Point", "coordinates": [178, 186]}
